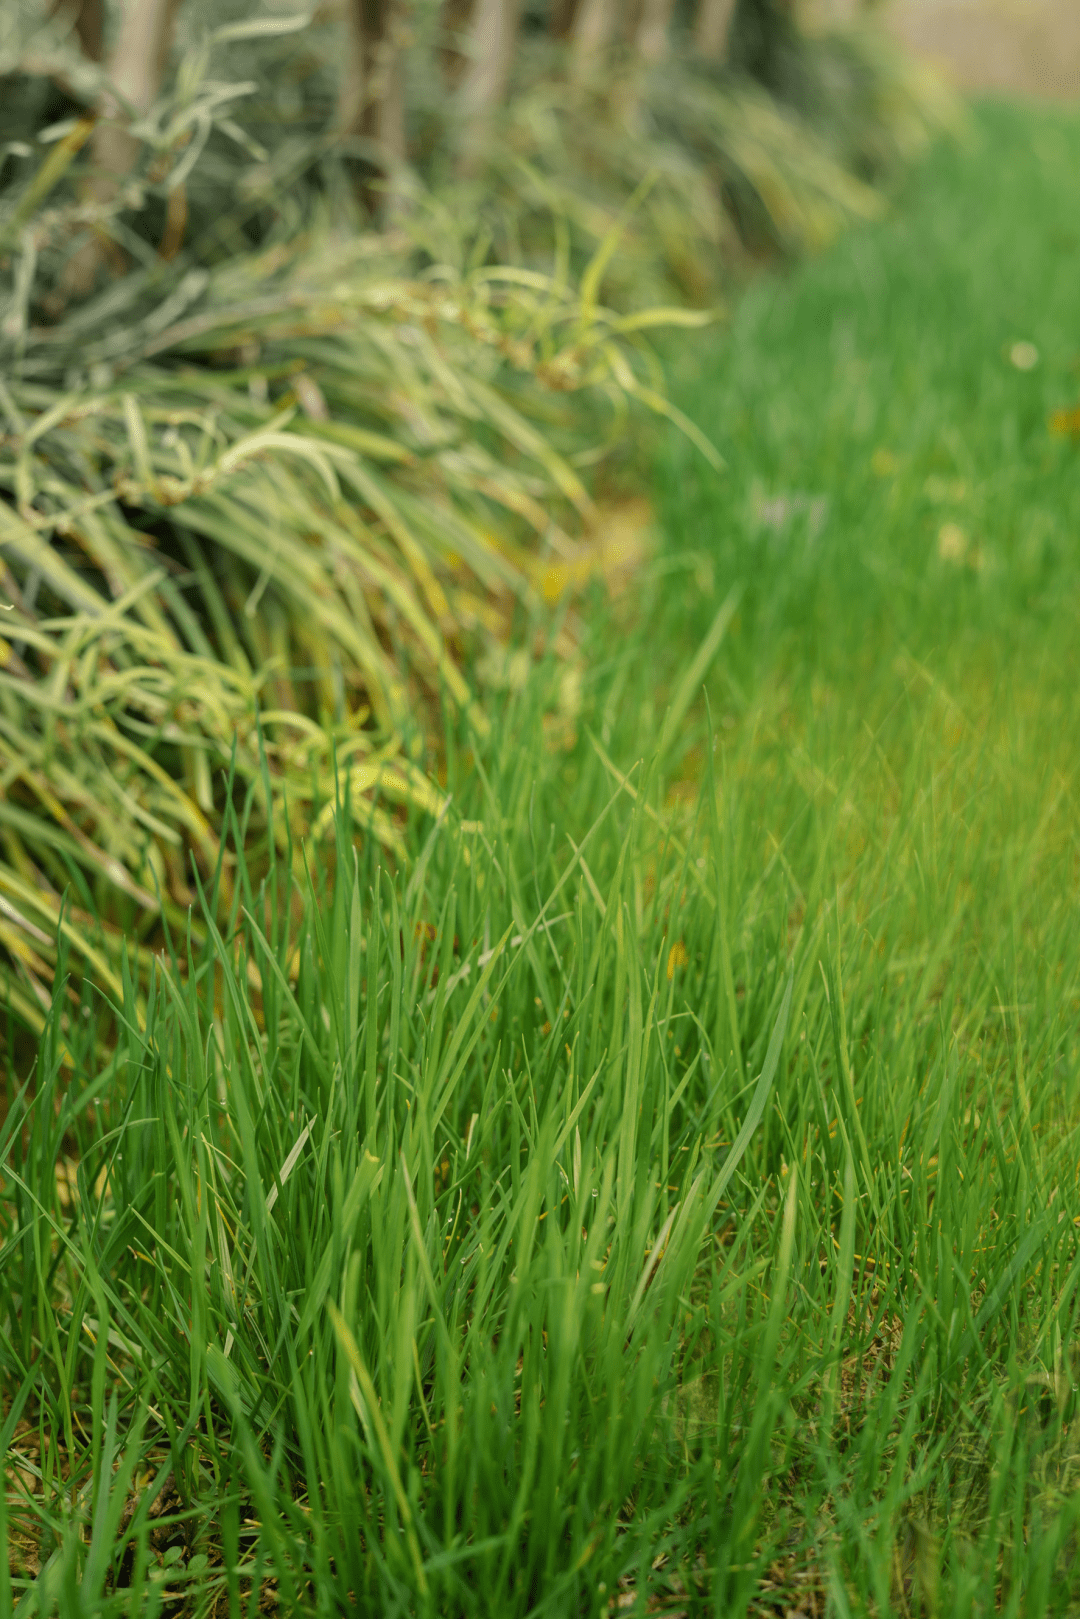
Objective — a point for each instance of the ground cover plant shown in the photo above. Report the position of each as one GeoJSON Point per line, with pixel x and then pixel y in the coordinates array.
{"type": "Point", "coordinates": [307, 1300]}
{"type": "Point", "coordinates": [311, 387]}
{"type": "Point", "coordinates": [307, 480]}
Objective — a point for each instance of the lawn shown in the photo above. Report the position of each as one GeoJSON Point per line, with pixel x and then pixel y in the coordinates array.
{"type": "Point", "coordinates": [658, 1192]}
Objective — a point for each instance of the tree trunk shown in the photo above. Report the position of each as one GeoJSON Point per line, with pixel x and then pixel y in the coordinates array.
{"type": "Point", "coordinates": [453, 22]}
{"type": "Point", "coordinates": [371, 101]}
{"type": "Point", "coordinates": [89, 26]}
{"type": "Point", "coordinates": [136, 68]}
{"type": "Point", "coordinates": [135, 72]}
{"type": "Point", "coordinates": [492, 39]}
{"type": "Point", "coordinates": [562, 18]}
{"type": "Point", "coordinates": [712, 28]}
{"type": "Point", "coordinates": [652, 30]}
{"type": "Point", "coordinates": [592, 34]}
{"type": "Point", "coordinates": [763, 40]}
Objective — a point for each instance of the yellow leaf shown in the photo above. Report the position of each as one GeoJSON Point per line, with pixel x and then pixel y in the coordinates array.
{"type": "Point", "coordinates": [1066, 423]}
{"type": "Point", "coordinates": [952, 543]}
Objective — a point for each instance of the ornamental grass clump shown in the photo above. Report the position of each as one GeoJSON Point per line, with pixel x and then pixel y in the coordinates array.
{"type": "Point", "coordinates": [288, 510]}
{"type": "Point", "coordinates": [378, 1278]}
{"type": "Point", "coordinates": [710, 166]}
{"type": "Point", "coordinates": [257, 512]}
{"type": "Point", "coordinates": [304, 378]}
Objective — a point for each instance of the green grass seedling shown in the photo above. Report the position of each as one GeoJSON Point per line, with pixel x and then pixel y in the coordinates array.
{"type": "Point", "coordinates": [653, 1187]}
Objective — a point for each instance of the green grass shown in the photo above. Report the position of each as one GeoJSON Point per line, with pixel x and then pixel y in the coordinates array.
{"type": "Point", "coordinates": [660, 1187]}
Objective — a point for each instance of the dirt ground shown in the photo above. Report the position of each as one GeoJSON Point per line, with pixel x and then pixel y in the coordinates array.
{"type": "Point", "coordinates": [1026, 47]}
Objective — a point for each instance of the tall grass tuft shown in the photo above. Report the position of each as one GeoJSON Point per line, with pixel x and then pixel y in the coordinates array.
{"type": "Point", "coordinates": [568, 1217]}
{"type": "Point", "coordinates": [404, 1263]}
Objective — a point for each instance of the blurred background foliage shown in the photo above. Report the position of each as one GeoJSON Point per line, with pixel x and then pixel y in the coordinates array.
{"type": "Point", "coordinates": [321, 337]}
